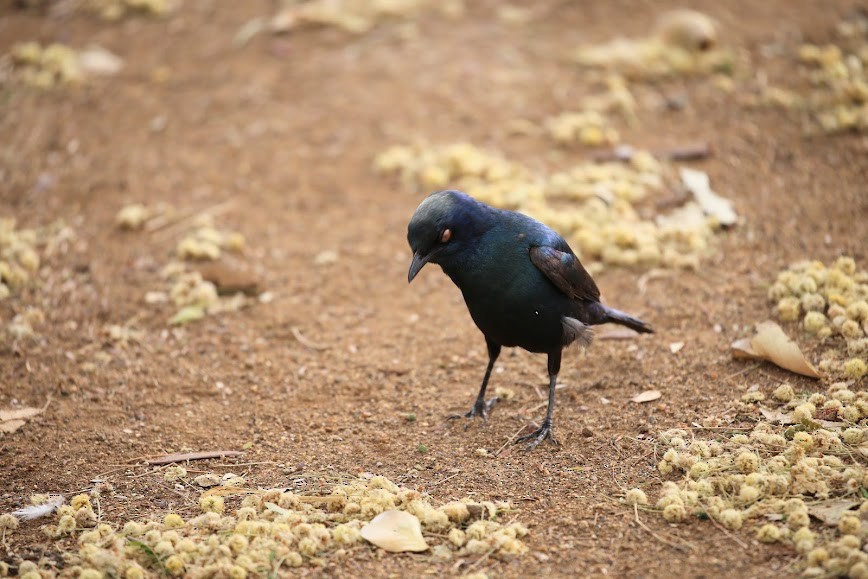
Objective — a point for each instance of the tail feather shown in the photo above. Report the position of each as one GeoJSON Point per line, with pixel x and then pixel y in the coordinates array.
{"type": "Point", "coordinates": [618, 317]}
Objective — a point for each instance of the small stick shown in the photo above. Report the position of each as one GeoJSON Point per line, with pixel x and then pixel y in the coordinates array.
{"type": "Point", "coordinates": [185, 456]}
{"type": "Point", "coordinates": [166, 226]}
{"type": "Point", "coordinates": [296, 333]}
{"type": "Point", "coordinates": [450, 477]}
{"type": "Point", "coordinates": [624, 334]}
{"type": "Point", "coordinates": [738, 541]}
{"type": "Point", "coordinates": [675, 546]}
{"type": "Point", "coordinates": [625, 153]}
{"type": "Point", "coordinates": [509, 440]}
{"type": "Point", "coordinates": [744, 371]}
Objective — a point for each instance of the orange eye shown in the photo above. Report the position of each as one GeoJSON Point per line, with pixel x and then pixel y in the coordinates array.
{"type": "Point", "coordinates": [446, 235]}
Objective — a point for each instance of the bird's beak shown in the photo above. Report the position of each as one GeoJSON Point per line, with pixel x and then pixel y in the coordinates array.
{"type": "Point", "coordinates": [419, 262]}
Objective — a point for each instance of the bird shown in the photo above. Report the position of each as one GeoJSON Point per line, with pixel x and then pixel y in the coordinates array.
{"type": "Point", "coordinates": [522, 283]}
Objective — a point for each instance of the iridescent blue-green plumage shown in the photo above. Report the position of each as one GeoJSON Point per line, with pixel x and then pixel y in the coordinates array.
{"type": "Point", "coordinates": [522, 283]}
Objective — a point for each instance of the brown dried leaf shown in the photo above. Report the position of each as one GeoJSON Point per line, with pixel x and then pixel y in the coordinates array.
{"type": "Point", "coordinates": [776, 416]}
{"type": "Point", "coordinates": [647, 396]}
{"type": "Point", "coordinates": [9, 426]}
{"type": "Point", "coordinates": [772, 344]}
{"type": "Point", "coordinates": [14, 418]}
{"type": "Point", "coordinates": [830, 512]}
{"type": "Point", "coordinates": [20, 413]}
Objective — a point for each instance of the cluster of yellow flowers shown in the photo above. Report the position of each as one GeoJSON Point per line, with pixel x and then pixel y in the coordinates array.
{"type": "Point", "coordinates": [594, 205]}
{"type": "Point", "coordinates": [778, 472]}
{"type": "Point", "coordinates": [271, 531]}
{"type": "Point", "coordinates": [47, 66]}
{"type": "Point", "coordinates": [186, 288]}
{"type": "Point", "coordinates": [829, 301]}
{"type": "Point", "coordinates": [838, 72]}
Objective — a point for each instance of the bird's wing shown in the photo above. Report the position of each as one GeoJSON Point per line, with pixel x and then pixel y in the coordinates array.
{"type": "Point", "coordinates": [565, 271]}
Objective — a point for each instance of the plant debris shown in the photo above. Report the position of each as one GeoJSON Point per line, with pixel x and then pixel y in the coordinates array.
{"type": "Point", "coordinates": [684, 42]}
{"type": "Point", "coordinates": [772, 344]}
{"type": "Point", "coordinates": [831, 302]}
{"type": "Point", "coordinates": [275, 530]}
{"type": "Point", "coordinates": [596, 206]}
{"type": "Point", "coordinates": [396, 532]}
{"type": "Point", "coordinates": [355, 16]}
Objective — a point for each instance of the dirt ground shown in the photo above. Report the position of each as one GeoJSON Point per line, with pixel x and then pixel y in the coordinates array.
{"type": "Point", "coordinates": [285, 129]}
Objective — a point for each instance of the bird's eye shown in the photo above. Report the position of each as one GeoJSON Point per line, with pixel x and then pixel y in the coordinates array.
{"type": "Point", "coordinates": [446, 235]}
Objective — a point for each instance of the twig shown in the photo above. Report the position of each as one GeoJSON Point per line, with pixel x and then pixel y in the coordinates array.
{"type": "Point", "coordinates": [675, 546]}
{"type": "Point", "coordinates": [165, 225]}
{"type": "Point", "coordinates": [738, 541]}
{"type": "Point", "coordinates": [509, 440]}
{"type": "Point", "coordinates": [296, 333]}
{"type": "Point", "coordinates": [624, 334]}
{"type": "Point", "coordinates": [185, 456]}
{"type": "Point", "coordinates": [450, 477]}
{"type": "Point", "coordinates": [744, 371]}
{"type": "Point", "coordinates": [625, 153]}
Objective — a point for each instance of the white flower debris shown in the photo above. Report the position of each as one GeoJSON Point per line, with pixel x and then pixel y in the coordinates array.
{"type": "Point", "coordinates": [271, 532]}
{"type": "Point", "coordinates": [594, 205]}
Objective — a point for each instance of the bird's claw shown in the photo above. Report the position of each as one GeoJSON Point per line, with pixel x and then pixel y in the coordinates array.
{"type": "Point", "coordinates": [538, 435]}
{"type": "Point", "coordinates": [480, 408]}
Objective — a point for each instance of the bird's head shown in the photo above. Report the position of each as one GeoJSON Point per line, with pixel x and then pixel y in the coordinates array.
{"type": "Point", "coordinates": [442, 227]}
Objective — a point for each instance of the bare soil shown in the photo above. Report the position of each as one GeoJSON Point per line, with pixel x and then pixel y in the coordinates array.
{"type": "Point", "coordinates": [286, 128]}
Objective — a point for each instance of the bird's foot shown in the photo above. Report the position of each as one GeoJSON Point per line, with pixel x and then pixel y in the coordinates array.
{"type": "Point", "coordinates": [480, 408]}
{"type": "Point", "coordinates": [538, 435]}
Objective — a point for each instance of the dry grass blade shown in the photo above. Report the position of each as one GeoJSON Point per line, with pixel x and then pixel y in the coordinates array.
{"type": "Point", "coordinates": [296, 333]}
{"type": "Point", "coordinates": [676, 546]}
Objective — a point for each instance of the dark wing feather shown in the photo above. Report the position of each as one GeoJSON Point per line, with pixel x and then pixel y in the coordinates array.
{"type": "Point", "coordinates": [565, 271]}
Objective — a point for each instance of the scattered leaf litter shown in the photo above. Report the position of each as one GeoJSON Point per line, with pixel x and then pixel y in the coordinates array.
{"type": "Point", "coordinates": [603, 209]}
{"type": "Point", "coordinates": [275, 530]}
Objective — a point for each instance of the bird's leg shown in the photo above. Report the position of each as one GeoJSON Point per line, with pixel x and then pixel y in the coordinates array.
{"type": "Point", "coordinates": [481, 407]}
{"type": "Point", "coordinates": [545, 430]}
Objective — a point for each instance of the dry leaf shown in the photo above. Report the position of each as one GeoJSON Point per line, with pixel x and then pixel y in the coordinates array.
{"type": "Point", "coordinates": [647, 396]}
{"type": "Point", "coordinates": [8, 426]}
{"type": "Point", "coordinates": [830, 512]}
{"type": "Point", "coordinates": [712, 204]}
{"type": "Point", "coordinates": [786, 418]}
{"type": "Point", "coordinates": [772, 344]}
{"type": "Point", "coordinates": [396, 532]}
{"type": "Point", "coordinates": [14, 418]}
{"type": "Point", "coordinates": [97, 61]}
{"type": "Point", "coordinates": [777, 417]}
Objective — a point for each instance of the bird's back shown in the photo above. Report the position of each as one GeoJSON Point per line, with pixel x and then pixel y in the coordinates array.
{"type": "Point", "coordinates": [509, 298]}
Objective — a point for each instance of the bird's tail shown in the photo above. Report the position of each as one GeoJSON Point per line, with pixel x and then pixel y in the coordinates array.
{"type": "Point", "coordinates": [618, 317]}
